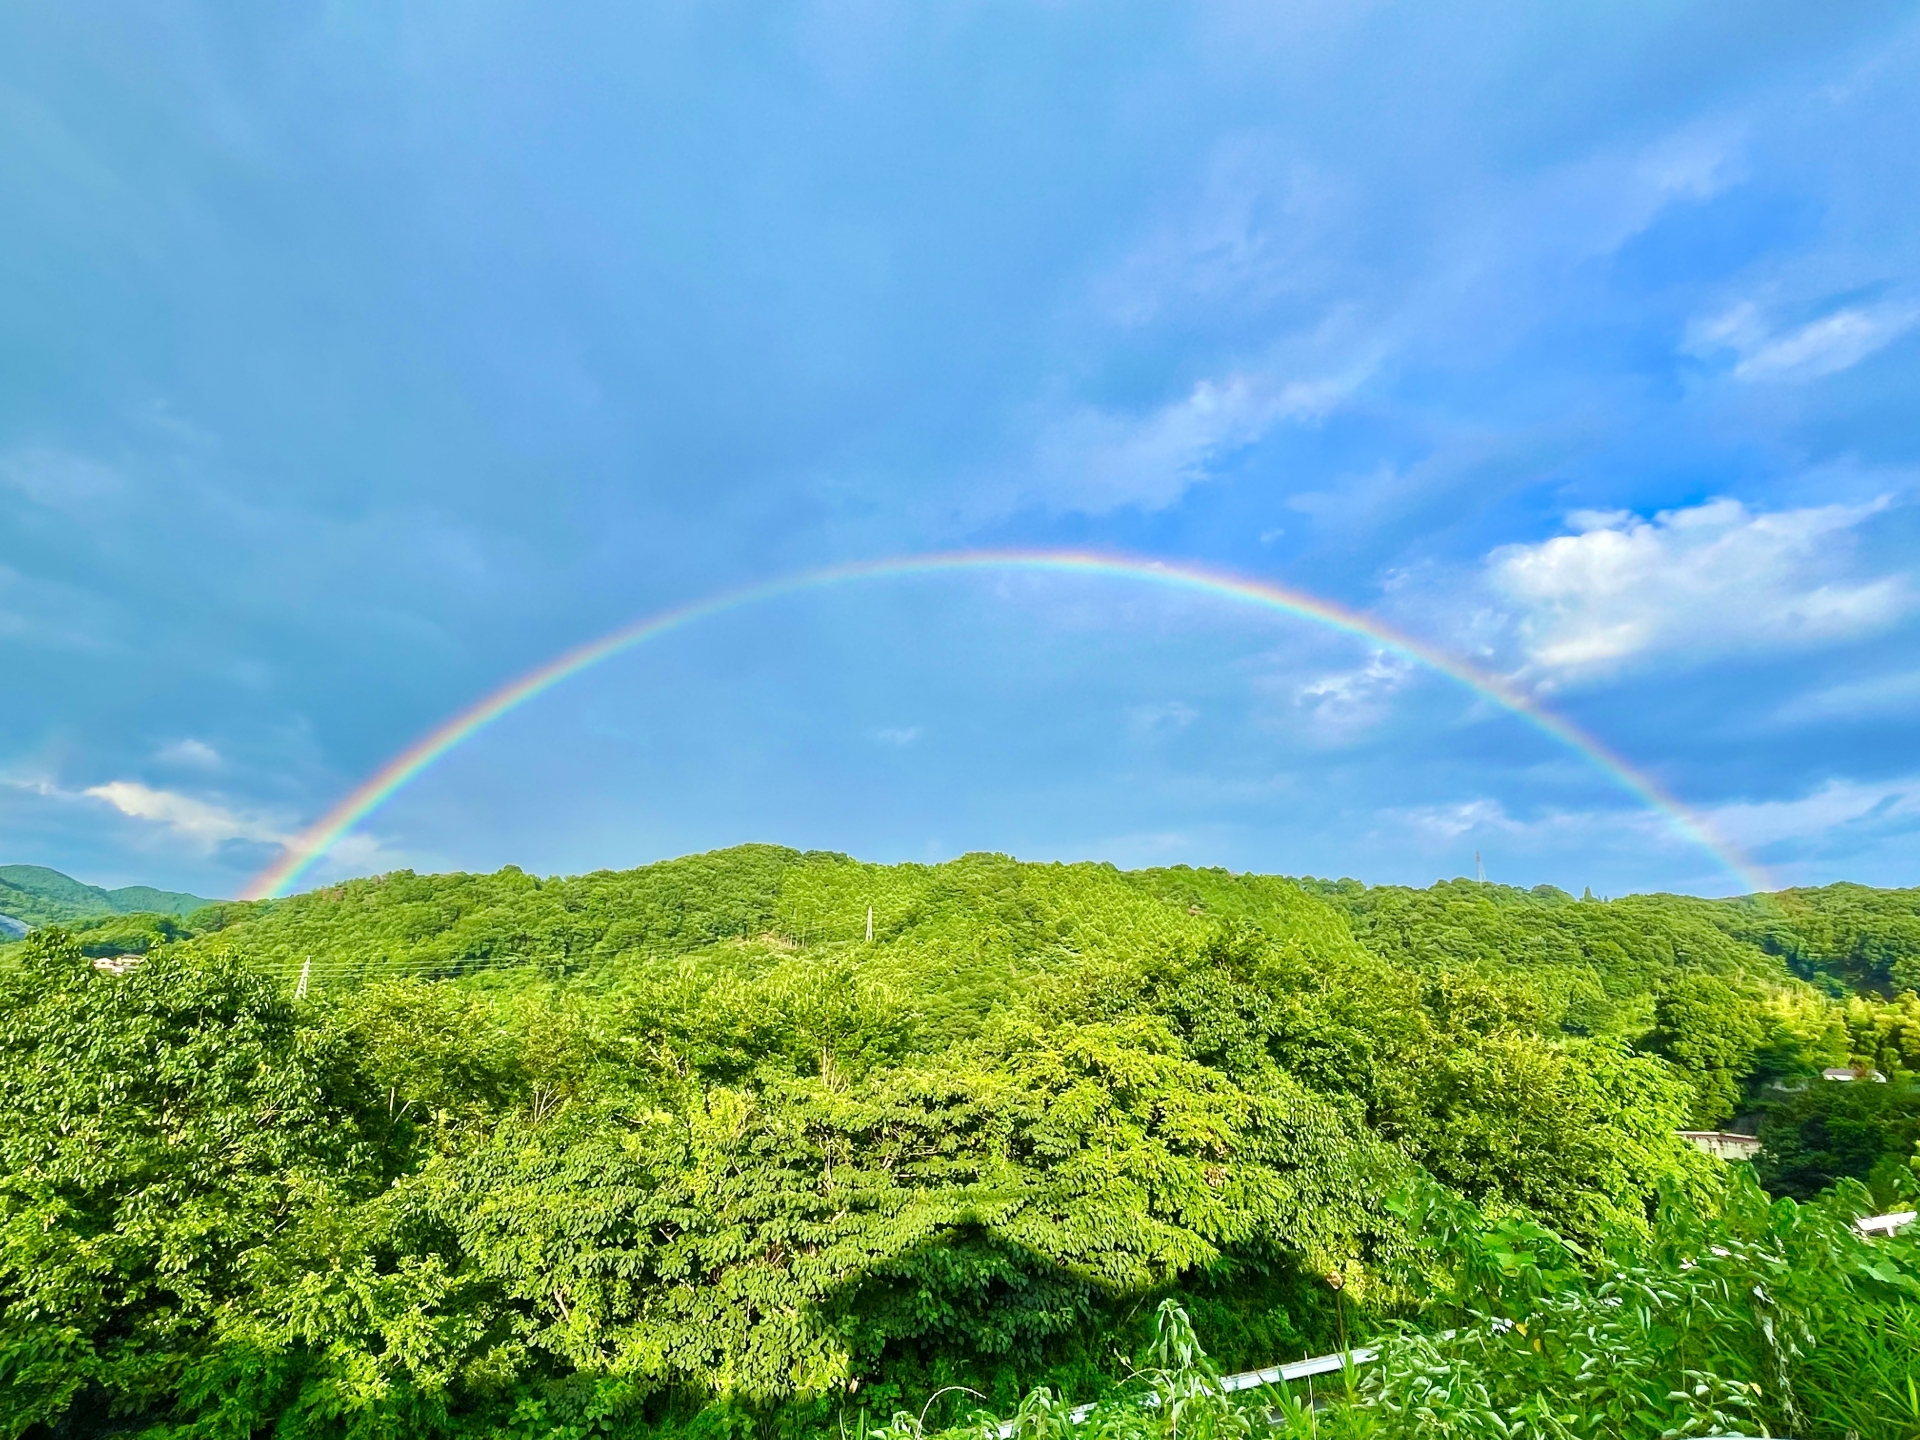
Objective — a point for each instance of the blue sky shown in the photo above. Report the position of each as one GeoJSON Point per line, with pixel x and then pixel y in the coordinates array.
{"type": "Point", "coordinates": [355, 358]}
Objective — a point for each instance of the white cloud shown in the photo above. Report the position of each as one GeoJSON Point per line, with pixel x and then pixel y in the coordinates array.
{"type": "Point", "coordinates": [1502, 257]}
{"type": "Point", "coordinates": [1485, 819]}
{"type": "Point", "coordinates": [1875, 695]}
{"type": "Point", "coordinates": [1702, 580]}
{"type": "Point", "coordinates": [1693, 163]}
{"type": "Point", "coordinates": [199, 822]}
{"type": "Point", "coordinates": [1836, 341]}
{"type": "Point", "coordinates": [898, 736]}
{"type": "Point", "coordinates": [1592, 205]}
{"type": "Point", "coordinates": [1347, 701]}
{"type": "Point", "coordinates": [1250, 226]}
{"type": "Point", "coordinates": [189, 753]}
{"type": "Point", "coordinates": [1443, 824]}
{"type": "Point", "coordinates": [359, 854]}
{"type": "Point", "coordinates": [1835, 805]}
{"type": "Point", "coordinates": [1837, 812]}
{"type": "Point", "coordinates": [1096, 460]}
{"type": "Point", "coordinates": [1262, 231]}
{"type": "Point", "coordinates": [59, 480]}
{"type": "Point", "coordinates": [1166, 718]}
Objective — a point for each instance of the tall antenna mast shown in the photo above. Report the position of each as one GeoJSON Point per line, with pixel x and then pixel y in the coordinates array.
{"type": "Point", "coordinates": [1479, 868]}
{"type": "Point", "coordinates": [869, 924]}
{"type": "Point", "coordinates": [306, 968]}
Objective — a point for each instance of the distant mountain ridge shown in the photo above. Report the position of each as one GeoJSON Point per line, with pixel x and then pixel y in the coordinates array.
{"type": "Point", "coordinates": [35, 895]}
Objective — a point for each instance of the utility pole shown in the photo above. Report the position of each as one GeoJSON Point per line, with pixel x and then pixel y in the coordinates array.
{"type": "Point", "coordinates": [306, 967]}
{"type": "Point", "coordinates": [869, 924]}
{"type": "Point", "coordinates": [1479, 868]}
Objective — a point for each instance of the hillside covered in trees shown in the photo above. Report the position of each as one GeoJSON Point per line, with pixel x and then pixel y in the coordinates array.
{"type": "Point", "coordinates": [762, 1141]}
{"type": "Point", "coordinates": [34, 895]}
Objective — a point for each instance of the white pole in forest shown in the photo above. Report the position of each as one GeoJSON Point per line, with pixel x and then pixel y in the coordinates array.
{"type": "Point", "coordinates": [869, 924]}
{"type": "Point", "coordinates": [300, 990]}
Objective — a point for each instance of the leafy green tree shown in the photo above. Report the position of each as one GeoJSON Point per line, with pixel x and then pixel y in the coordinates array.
{"type": "Point", "coordinates": [156, 1128]}
{"type": "Point", "coordinates": [1886, 1035]}
{"type": "Point", "coordinates": [1579, 1134]}
{"type": "Point", "coordinates": [1711, 1032]}
{"type": "Point", "coordinates": [1835, 1130]}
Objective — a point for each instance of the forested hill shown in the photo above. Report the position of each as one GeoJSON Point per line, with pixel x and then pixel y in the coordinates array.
{"type": "Point", "coordinates": [436, 1154]}
{"type": "Point", "coordinates": [969, 938]}
{"type": "Point", "coordinates": [35, 895]}
{"type": "Point", "coordinates": [1841, 936]}
{"type": "Point", "coordinates": [1597, 962]}
{"type": "Point", "coordinates": [1844, 937]}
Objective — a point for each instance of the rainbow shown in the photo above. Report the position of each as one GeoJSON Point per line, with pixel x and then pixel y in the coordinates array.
{"type": "Point", "coordinates": [307, 848]}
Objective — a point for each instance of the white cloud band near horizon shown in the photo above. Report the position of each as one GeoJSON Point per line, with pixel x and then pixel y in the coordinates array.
{"type": "Point", "coordinates": [206, 825]}
{"type": "Point", "coordinates": [1805, 822]}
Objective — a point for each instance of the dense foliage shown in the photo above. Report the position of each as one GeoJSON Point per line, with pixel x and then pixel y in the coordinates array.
{"type": "Point", "coordinates": [1761, 1319]}
{"type": "Point", "coordinates": [1848, 936]}
{"type": "Point", "coordinates": [1818, 1133]}
{"type": "Point", "coordinates": [683, 1147]}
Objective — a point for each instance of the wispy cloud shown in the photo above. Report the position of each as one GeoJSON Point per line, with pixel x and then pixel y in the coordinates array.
{"type": "Point", "coordinates": [1346, 702]}
{"type": "Point", "coordinates": [199, 822]}
{"type": "Point", "coordinates": [1836, 806]}
{"type": "Point", "coordinates": [189, 754]}
{"type": "Point", "coordinates": [60, 480]}
{"type": "Point", "coordinates": [1838, 815]}
{"type": "Point", "coordinates": [360, 854]}
{"type": "Point", "coordinates": [56, 615]}
{"type": "Point", "coordinates": [1871, 696]}
{"type": "Point", "coordinates": [1444, 824]}
{"type": "Point", "coordinates": [898, 736]}
{"type": "Point", "coordinates": [1095, 460]}
{"type": "Point", "coordinates": [205, 826]}
{"type": "Point", "coordinates": [1260, 233]}
{"type": "Point", "coordinates": [1168, 717]}
{"type": "Point", "coordinates": [1836, 341]}
{"type": "Point", "coordinates": [1703, 580]}
{"type": "Point", "coordinates": [1248, 227]}
{"type": "Point", "coordinates": [1139, 849]}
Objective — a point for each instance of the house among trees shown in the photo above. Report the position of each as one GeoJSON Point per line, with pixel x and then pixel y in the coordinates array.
{"type": "Point", "coordinates": [1723, 1144]}
{"type": "Point", "coordinates": [1836, 1073]}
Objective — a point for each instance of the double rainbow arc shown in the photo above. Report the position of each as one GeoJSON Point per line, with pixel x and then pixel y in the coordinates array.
{"type": "Point", "coordinates": [308, 848]}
